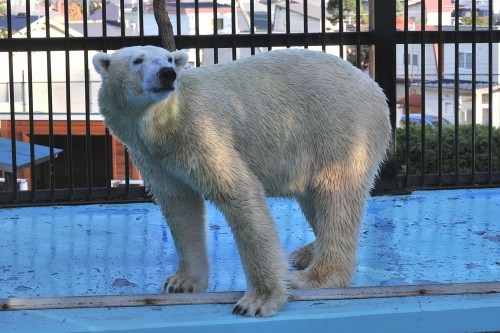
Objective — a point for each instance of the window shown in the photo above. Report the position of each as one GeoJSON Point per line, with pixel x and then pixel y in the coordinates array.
{"type": "Point", "coordinates": [448, 108]}
{"type": "Point", "coordinates": [4, 92]}
{"type": "Point", "coordinates": [465, 60]}
{"type": "Point", "coordinates": [220, 24]}
{"type": "Point", "coordinates": [19, 92]}
{"type": "Point", "coordinates": [485, 98]}
{"type": "Point", "coordinates": [412, 59]}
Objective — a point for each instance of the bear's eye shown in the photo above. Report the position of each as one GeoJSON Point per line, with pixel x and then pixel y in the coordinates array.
{"type": "Point", "coordinates": [170, 59]}
{"type": "Point", "coordinates": [137, 61]}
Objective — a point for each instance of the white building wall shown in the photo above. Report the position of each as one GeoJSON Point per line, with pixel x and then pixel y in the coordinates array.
{"type": "Point", "coordinates": [415, 67]}
{"type": "Point", "coordinates": [482, 61]}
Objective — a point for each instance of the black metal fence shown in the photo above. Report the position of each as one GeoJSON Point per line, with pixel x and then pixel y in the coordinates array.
{"type": "Point", "coordinates": [437, 61]}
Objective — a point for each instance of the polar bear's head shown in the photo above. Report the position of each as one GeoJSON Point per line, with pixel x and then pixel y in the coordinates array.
{"type": "Point", "coordinates": [138, 76]}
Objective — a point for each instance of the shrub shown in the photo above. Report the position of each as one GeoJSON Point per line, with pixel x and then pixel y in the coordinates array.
{"type": "Point", "coordinates": [449, 154]}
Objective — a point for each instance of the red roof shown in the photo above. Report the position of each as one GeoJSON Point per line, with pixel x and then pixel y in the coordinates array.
{"type": "Point", "coordinates": [433, 5]}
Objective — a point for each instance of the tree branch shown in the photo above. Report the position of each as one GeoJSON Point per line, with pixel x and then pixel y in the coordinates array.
{"type": "Point", "coordinates": [165, 30]}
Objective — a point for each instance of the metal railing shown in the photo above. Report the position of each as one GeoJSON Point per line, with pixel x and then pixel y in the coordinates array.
{"type": "Point", "coordinates": [443, 75]}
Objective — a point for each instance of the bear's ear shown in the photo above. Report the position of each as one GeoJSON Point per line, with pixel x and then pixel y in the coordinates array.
{"type": "Point", "coordinates": [181, 58]}
{"type": "Point", "coordinates": [101, 63]}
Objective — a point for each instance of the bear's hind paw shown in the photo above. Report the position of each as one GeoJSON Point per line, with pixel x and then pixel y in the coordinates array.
{"type": "Point", "coordinates": [302, 257]}
{"type": "Point", "coordinates": [182, 284]}
{"type": "Point", "coordinates": [312, 277]}
{"type": "Point", "coordinates": [260, 305]}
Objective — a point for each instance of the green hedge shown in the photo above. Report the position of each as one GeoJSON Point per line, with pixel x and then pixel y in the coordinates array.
{"type": "Point", "coordinates": [448, 149]}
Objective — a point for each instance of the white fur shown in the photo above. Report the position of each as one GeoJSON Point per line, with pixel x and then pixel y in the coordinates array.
{"type": "Point", "coordinates": [291, 123]}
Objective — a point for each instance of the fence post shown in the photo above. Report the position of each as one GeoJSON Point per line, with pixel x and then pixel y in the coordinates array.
{"type": "Point", "coordinates": [383, 62]}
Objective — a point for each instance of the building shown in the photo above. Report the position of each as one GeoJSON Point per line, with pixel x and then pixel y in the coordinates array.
{"type": "Point", "coordinates": [428, 76]}
{"type": "Point", "coordinates": [69, 101]}
{"type": "Point", "coordinates": [296, 22]}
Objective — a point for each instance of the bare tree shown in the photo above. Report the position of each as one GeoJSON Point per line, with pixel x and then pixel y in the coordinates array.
{"type": "Point", "coordinates": [165, 29]}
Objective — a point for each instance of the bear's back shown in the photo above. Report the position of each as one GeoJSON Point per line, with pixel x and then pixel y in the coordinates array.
{"type": "Point", "coordinates": [310, 89]}
{"type": "Point", "coordinates": [276, 104]}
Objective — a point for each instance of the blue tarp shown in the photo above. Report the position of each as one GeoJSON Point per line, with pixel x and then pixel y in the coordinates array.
{"type": "Point", "coordinates": [23, 157]}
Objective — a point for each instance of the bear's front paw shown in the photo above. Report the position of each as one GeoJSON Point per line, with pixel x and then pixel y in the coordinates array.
{"type": "Point", "coordinates": [260, 305]}
{"type": "Point", "coordinates": [179, 283]}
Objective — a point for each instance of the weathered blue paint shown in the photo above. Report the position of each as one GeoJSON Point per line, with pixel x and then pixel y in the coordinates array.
{"type": "Point", "coordinates": [464, 313]}
{"type": "Point", "coordinates": [425, 237]}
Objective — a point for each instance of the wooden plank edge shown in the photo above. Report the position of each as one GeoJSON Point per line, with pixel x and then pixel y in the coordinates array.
{"type": "Point", "coordinates": [70, 302]}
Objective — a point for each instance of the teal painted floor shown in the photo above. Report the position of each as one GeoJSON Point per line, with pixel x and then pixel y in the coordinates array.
{"type": "Point", "coordinates": [449, 236]}
{"type": "Point", "coordinates": [425, 237]}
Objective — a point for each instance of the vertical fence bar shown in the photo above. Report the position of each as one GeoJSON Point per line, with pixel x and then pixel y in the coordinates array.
{"type": "Point", "coordinates": [287, 20]}
{"type": "Point", "coordinates": [178, 24]}
{"type": "Point", "coordinates": [122, 19]}
{"type": "Point", "coordinates": [104, 21]}
{"type": "Point", "coordinates": [407, 97]}
{"type": "Point", "coordinates": [383, 28]}
{"type": "Point", "coordinates": [440, 92]}
{"type": "Point", "coordinates": [341, 28]}
{"type": "Point", "coordinates": [107, 135]}
{"type": "Point", "coordinates": [269, 26]}
{"type": "Point", "coordinates": [234, 15]}
{"type": "Point", "coordinates": [323, 24]}
{"type": "Point", "coordinates": [197, 31]}
{"type": "Point", "coordinates": [127, 173]}
{"type": "Point", "coordinates": [422, 90]}
{"type": "Point", "coordinates": [141, 18]}
{"type": "Point", "coordinates": [50, 103]}
{"type": "Point", "coordinates": [358, 30]}
{"type": "Point", "coordinates": [12, 107]}
{"type": "Point", "coordinates": [108, 166]}
{"type": "Point", "coordinates": [306, 25]}
{"type": "Point", "coordinates": [490, 92]}
{"type": "Point", "coordinates": [69, 138]}
{"type": "Point", "coordinates": [215, 31]}
{"type": "Point", "coordinates": [30, 104]}
{"type": "Point", "coordinates": [457, 93]}
{"type": "Point", "coordinates": [88, 134]}
{"type": "Point", "coordinates": [252, 27]}
{"type": "Point", "coordinates": [473, 95]}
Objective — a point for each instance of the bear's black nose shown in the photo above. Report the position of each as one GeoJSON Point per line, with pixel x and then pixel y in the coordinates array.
{"type": "Point", "coordinates": [167, 74]}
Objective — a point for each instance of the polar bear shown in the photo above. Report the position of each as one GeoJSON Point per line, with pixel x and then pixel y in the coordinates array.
{"type": "Point", "coordinates": [291, 123]}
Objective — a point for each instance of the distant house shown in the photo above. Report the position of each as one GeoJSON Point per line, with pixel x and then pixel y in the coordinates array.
{"type": "Point", "coordinates": [195, 18]}
{"type": "Point", "coordinates": [297, 13]}
{"type": "Point", "coordinates": [17, 22]}
{"type": "Point", "coordinates": [69, 107]}
{"type": "Point", "coordinates": [419, 76]}
{"type": "Point", "coordinates": [431, 12]}
{"type": "Point", "coordinates": [314, 22]}
{"type": "Point", "coordinates": [75, 106]}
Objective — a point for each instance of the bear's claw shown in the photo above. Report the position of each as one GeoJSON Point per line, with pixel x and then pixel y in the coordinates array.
{"type": "Point", "coordinates": [175, 284]}
{"type": "Point", "coordinates": [259, 305]}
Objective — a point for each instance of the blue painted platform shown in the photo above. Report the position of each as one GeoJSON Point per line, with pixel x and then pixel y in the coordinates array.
{"type": "Point", "coordinates": [427, 237]}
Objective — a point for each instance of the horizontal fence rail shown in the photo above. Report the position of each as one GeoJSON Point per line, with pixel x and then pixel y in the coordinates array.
{"type": "Point", "coordinates": [438, 67]}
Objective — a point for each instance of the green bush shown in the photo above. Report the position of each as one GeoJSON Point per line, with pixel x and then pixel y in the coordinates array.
{"type": "Point", "coordinates": [448, 149]}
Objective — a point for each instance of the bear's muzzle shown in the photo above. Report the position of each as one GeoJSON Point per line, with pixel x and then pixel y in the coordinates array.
{"type": "Point", "coordinates": [167, 77]}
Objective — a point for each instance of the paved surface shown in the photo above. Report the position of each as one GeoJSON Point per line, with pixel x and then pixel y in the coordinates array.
{"type": "Point", "coordinates": [425, 237]}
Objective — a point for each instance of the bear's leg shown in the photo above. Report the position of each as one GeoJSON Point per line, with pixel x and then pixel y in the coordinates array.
{"type": "Point", "coordinates": [301, 257]}
{"type": "Point", "coordinates": [261, 254]}
{"type": "Point", "coordinates": [184, 211]}
{"type": "Point", "coordinates": [338, 206]}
